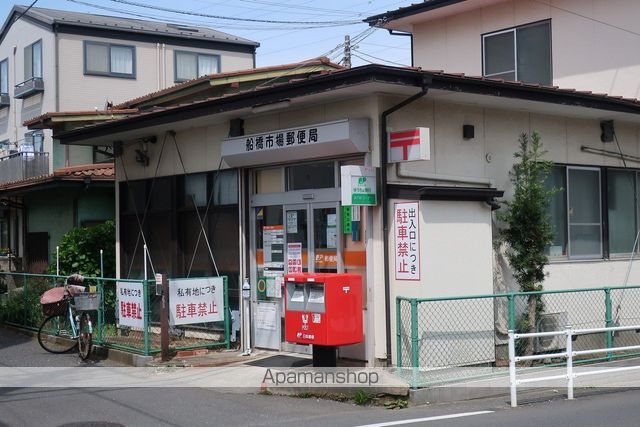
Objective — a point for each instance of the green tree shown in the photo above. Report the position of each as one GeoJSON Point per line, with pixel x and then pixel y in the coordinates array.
{"type": "Point", "coordinates": [529, 230]}
{"type": "Point", "coordinates": [80, 251]}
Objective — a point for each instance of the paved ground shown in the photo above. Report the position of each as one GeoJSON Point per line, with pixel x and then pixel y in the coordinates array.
{"type": "Point", "coordinates": [191, 406]}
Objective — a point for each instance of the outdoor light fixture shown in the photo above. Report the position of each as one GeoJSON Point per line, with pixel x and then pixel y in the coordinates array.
{"type": "Point", "coordinates": [606, 126]}
{"type": "Point", "coordinates": [468, 131]}
{"type": "Point", "coordinates": [271, 107]}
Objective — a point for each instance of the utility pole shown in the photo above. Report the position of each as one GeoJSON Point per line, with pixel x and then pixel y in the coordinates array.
{"type": "Point", "coordinates": [347, 51]}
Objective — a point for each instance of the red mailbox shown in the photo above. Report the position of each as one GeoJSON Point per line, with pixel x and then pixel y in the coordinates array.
{"type": "Point", "coordinates": [323, 309]}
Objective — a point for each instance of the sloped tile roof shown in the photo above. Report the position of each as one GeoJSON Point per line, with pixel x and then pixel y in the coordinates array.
{"type": "Point", "coordinates": [97, 172]}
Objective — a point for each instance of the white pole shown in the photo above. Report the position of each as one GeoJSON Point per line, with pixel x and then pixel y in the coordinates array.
{"type": "Point", "coordinates": [57, 260]}
{"type": "Point", "coordinates": [101, 263]}
{"type": "Point", "coordinates": [512, 370]}
{"type": "Point", "coordinates": [145, 261]}
{"type": "Point", "coordinates": [569, 363]}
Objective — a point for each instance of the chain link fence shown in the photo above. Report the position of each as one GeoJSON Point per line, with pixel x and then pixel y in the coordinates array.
{"type": "Point", "coordinates": [20, 307]}
{"type": "Point", "coordinates": [441, 340]}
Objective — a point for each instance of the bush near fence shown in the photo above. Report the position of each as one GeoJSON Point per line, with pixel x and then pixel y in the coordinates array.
{"type": "Point", "coordinates": [442, 340]}
{"type": "Point", "coordinates": [20, 307]}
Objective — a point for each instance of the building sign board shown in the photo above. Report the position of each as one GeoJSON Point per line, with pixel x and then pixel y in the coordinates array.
{"type": "Point", "coordinates": [409, 145]}
{"type": "Point", "coordinates": [196, 300]}
{"type": "Point", "coordinates": [358, 186]}
{"type": "Point", "coordinates": [302, 143]}
{"type": "Point", "coordinates": [406, 218]}
{"type": "Point", "coordinates": [130, 304]}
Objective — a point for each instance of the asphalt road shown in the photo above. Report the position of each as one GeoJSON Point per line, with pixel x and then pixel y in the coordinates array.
{"type": "Point", "coordinates": [191, 406]}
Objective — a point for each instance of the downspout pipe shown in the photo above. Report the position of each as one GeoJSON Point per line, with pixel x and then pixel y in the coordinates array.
{"type": "Point", "coordinates": [426, 82]}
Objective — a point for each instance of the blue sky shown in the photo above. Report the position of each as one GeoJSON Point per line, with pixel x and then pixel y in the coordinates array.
{"type": "Point", "coordinates": [280, 43]}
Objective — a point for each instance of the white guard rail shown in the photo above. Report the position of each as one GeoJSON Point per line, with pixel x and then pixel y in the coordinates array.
{"type": "Point", "coordinates": [569, 354]}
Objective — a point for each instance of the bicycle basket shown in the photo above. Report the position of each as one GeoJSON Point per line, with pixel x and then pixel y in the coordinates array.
{"type": "Point", "coordinates": [86, 301]}
{"type": "Point", "coordinates": [55, 308]}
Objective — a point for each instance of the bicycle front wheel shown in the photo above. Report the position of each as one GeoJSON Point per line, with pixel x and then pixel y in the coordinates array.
{"type": "Point", "coordinates": [85, 341]}
{"type": "Point", "coordinates": [56, 334]}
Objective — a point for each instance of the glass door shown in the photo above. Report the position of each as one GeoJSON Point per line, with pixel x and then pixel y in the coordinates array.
{"type": "Point", "coordinates": [326, 238]}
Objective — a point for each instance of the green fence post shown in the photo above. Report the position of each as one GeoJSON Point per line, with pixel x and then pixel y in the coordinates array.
{"type": "Point", "coordinates": [414, 342]}
{"type": "Point", "coordinates": [227, 332]}
{"type": "Point", "coordinates": [147, 314]}
{"type": "Point", "coordinates": [511, 312]}
{"type": "Point", "coordinates": [398, 334]}
{"type": "Point", "coordinates": [608, 319]}
{"type": "Point", "coordinates": [25, 298]}
{"type": "Point", "coordinates": [100, 311]}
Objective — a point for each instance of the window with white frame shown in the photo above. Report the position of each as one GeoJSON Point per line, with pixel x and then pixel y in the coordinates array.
{"type": "Point", "coordinates": [190, 65]}
{"type": "Point", "coordinates": [107, 59]}
{"type": "Point", "coordinates": [33, 61]}
{"type": "Point", "coordinates": [521, 53]}
{"type": "Point", "coordinates": [4, 76]}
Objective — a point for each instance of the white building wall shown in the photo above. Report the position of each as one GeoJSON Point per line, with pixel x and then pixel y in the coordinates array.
{"type": "Point", "coordinates": [21, 34]}
{"type": "Point", "coordinates": [80, 92]}
{"type": "Point", "coordinates": [594, 42]}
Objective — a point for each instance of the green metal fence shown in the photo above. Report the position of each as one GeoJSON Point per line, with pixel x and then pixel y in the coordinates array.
{"type": "Point", "coordinates": [20, 307]}
{"type": "Point", "coordinates": [443, 340]}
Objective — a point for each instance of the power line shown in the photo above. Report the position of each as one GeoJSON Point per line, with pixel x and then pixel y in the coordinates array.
{"type": "Point", "coordinates": [588, 18]}
{"type": "Point", "coordinates": [231, 18]}
{"type": "Point", "coordinates": [196, 22]}
{"type": "Point", "coordinates": [381, 59]}
{"type": "Point", "coordinates": [26, 10]}
{"type": "Point", "coordinates": [302, 7]}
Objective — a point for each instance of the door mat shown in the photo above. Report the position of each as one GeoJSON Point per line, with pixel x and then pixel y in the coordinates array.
{"type": "Point", "coordinates": [281, 361]}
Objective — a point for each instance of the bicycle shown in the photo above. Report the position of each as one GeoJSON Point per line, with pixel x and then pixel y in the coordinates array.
{"type": "Point", "coordinates": [68, 323]}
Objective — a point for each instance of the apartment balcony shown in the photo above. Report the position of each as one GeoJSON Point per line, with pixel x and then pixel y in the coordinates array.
{"type": "Point", "coordinates": [29, 87]}
{"type": "Point", "coordinates": [20, 166]}
{"type": "Point", "coordinates": [5, 100]}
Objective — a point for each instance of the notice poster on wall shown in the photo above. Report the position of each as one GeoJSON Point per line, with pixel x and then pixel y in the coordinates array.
{"type": "Point", "coordinates": [266, 316]}
{"type": "Point", "coordinates": [130, 304]}
{"type": "Point", "coordinates": [406, 220]}
{"type": "Point", "coordinates": [196, 300]}
{"type": "Point", "coordinates": [294, 258]}
{"type": "Point", "coordinates": [273, 248]}
{"type": "Point", "coordinates": [332, 231]}
{"type": "Point", "coordinates": [292, 222]}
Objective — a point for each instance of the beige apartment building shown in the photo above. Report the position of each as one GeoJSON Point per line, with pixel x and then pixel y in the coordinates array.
{"type": "Point", "coordinates": [53, 61]}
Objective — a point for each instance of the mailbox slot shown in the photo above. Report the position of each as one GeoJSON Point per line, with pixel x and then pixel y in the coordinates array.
{"type": "Point", "coordinates": [296, 296]}
{"type": "Point", "coordinates": [315, 299]}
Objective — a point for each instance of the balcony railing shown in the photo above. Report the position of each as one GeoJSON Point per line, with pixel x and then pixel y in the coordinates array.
{"type": "Point", "coordinates": [28, 87]}
{"type": "Point", "coordinates": [20, 166]}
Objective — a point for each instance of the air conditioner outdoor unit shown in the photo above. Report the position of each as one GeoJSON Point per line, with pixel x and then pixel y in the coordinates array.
{"type": "Point", "coordinates": [549, 322]}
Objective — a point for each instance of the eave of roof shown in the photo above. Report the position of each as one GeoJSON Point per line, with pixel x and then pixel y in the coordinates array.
{"type": "Point", "coordinates": [47, 120]}
{"type": "Point", "coordinates": [103, 172]}
{"type": "Point", "coordinates": [413, 9]}
{"type": "Point", "coordinates": [359, 75]}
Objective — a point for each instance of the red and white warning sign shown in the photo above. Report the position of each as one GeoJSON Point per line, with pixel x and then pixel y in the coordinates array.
{"type": "Point", "coordinates": [409, 144]}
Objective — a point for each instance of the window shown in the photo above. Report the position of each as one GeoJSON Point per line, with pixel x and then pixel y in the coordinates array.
{"type": "Point", "coordinates": [4, 76]}
{"type": "Point", "coordinates": [622, 202]}
{"type": "Point", "coordinates": [106, 59]}
{"type": "Point", "coordinates": [33, 61]}
{"type": "Point", "coordinates": [522, 53]}
{"type": "Point", "coordinates": [190, 65]}
{"type": "Point", "coordinates": [576, 213]}
{"type": "Point", "coordinates": [315, 175]}
{"type": "Point", "coordinates": [33, 142]}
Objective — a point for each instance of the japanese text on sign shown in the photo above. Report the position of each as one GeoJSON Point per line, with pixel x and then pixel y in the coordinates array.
{"type": "Point", "coordinates": [294, 257]}
{"type": "Point", "coordinates": [130, 305]}
{"type": "Point", "coordinates": [280, 139]}
{"type": "Point", "coordinates": [407, 240]}
{"type": "Point", "coordinates": [196, 300]}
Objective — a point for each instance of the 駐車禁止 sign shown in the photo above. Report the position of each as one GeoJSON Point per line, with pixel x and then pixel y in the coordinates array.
{"type": "Point", "coordinates": [196, 300]}
{"type": "Point", "coordinates": [130, 307]}
{"type": "Point", "coordinates": [406, 219]}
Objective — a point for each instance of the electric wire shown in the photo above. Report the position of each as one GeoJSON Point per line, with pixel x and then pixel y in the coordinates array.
{"type": "Point", "coordinates": [230, 18]}
{"type": "Point", "coordinates": [195, 205]}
